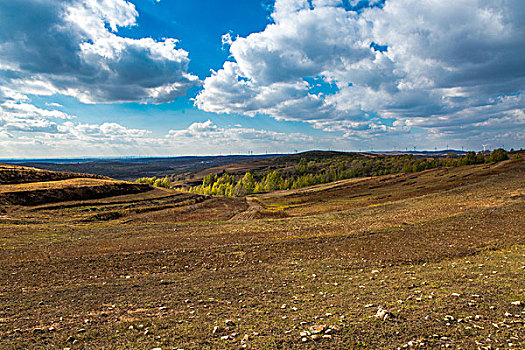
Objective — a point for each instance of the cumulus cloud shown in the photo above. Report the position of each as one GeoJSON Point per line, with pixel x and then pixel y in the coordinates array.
{"type": "Point", "coordinates": [214, 134]}
{"type": "Point", "coordinates": [22, 124]}
{"type": "Point", "coordinates": [73, 48]}
{"type": "Point", "coordinates": [18, 114]}
{"type": "Point", "coordinates": [105, 131]}
{"type": "Point", "coordinates": [445, 67]}
{"type": "Point", "coordinates": [208, 138]}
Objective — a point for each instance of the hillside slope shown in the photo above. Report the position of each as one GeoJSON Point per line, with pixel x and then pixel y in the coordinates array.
{"type": "Point", "coordinates": [15, 174]}
{"type": "Point", "coordinates": [31, 186]}
{"type": "Point", "coordinates": [431, 259]}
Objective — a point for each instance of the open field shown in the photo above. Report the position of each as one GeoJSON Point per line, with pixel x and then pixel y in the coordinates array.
{"type": "Point", "coordinates": [437, 256]}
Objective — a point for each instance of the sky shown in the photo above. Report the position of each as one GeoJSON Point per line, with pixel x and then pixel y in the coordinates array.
{"type": "Point", "coordinates": [114, 78]}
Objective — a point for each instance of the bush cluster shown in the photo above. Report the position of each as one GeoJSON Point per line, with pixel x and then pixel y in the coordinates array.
{"type": "Point", "coordinates": [153, 181]}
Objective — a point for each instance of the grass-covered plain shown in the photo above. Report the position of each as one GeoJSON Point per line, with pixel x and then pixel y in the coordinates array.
{"type": "Point", "coordinates": [442, 251]}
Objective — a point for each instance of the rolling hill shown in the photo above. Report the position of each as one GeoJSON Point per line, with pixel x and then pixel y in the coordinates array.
{"type": "Point", "coordinates": [431, 259]}
{"type": "Point", "coordinates": [31, 186]}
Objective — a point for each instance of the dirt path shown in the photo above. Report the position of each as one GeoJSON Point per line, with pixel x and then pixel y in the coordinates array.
{"type": "Point", "coordinates": [252, 212]}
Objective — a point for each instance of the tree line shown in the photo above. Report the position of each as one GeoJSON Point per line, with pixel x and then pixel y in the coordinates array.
{"type": "Point", "coordinates": [313, 172]}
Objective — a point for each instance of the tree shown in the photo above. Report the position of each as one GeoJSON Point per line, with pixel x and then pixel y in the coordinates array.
{"type": "Point", "coordinates": [302, 168]}
{"type": "Point", "coordinates": [470, 158]}
{"type": "Point", "coordinates": [248, 182]}
{"type": "Point", "coordinates": [498, 155]}
{"type": "Point", "coordinates": [208, 180]}
{"type": "Point", "coordinates": [273, 181]}
{"type": "Point", "coordinates": [165, 182]}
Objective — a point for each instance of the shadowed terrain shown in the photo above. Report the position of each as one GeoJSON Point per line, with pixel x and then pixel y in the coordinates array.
{"type": "Point", "coordinates": [430, 259]}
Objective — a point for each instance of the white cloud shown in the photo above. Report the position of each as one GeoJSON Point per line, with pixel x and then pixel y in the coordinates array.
{"type": "Point", "coordinates": [449, 67]}
{"type": "Point", "coordinates": [24, 124]}
{"type": "Point", "coordinates": [214, 134]}
{"type": "Point", "coordinates": [18, 114]}
{"type": "Point", "coordinates": [70, 139]}
{"type": "Point", "coordinates": [65, 47]}
{"type": "Point", "coordinates": [227, 39]}
{"type": "Point", "coordinates": [54, 104]}
{"type": "Point", "coordinates": [105, 131]}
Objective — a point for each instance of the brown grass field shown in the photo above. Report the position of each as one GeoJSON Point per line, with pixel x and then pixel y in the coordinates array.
{"type": "Point", "coordinates": [423, 260]}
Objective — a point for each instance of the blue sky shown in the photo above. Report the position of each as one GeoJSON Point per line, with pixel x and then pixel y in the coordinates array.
{"type": "Point", "coordinates": [146, 77]}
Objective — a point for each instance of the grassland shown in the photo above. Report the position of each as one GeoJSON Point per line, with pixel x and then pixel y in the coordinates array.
{"type": "Point", "coordinates": [434, 259]}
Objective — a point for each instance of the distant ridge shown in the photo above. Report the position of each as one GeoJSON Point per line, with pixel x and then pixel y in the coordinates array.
{"type": "Point", "coordinates": [132, 168]}
{"type": "Point", "coordinates": [441, 153]}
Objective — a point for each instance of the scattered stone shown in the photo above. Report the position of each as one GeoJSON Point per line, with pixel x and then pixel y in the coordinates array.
{"type": "Point", "coordinates": [38, 330]}
{"type": "Point", "coordinates": [383, 314]}
{"type": "Point", "coordinates": [315, 337]}
{"type": "Point", "coordinates": [229, 323]}
{"type": "Point", "coordinates": [317, 329]}
{"type": "Point", "coordinates": [517, 303]}
{"type": "Point", "coordinates": [81, 330]}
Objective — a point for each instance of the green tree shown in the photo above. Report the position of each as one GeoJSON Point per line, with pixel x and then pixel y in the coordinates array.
{"type": "Point", "coordinates": [498, 155]}
{"type": "Point", "coordinates": [165, 182]}
{"type": "Point", "coordinates": [272, 181]}
{"type": "Point", "coordinates": [248, 182]}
